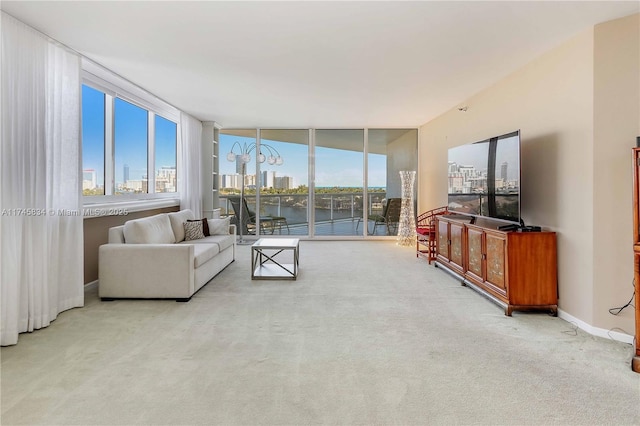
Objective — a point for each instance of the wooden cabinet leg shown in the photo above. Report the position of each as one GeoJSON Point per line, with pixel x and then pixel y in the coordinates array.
{"type": "Point", "coordinates": [508, 310]}
{"type": "Point", "coordinates": [635, 364]}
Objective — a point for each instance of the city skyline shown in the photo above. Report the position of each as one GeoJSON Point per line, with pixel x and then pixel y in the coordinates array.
{"type": "Point", "coordinates": [165, 181]}
{"type": "Point", "coordinates": [467, 179]}
{"type": "Point", "coordinates": [267, 180]}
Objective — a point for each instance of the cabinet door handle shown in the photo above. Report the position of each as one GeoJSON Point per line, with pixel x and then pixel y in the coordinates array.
{"type": "Point", "coordinates": [484, 256]}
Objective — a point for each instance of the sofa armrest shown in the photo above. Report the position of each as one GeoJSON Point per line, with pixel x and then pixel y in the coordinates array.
{"type": "Point", "coordinates": [146, 271]}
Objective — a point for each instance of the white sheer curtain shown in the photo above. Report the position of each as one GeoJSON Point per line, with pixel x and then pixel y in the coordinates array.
{"type": "Point", "coordinates": [41, 244]}
{"type": "Point", "coordinates": [190, 170]}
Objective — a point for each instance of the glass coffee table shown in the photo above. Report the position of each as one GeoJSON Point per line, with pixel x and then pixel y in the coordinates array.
{"type": "Point", "coordinates": [264, 266]}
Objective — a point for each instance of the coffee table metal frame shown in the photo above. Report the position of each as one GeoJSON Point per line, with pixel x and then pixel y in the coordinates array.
{"type": "Point", "coordinates": [264, 266]}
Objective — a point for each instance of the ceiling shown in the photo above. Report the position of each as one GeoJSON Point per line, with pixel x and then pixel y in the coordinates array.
{"type": "Point", "coordinates": [314, 64]}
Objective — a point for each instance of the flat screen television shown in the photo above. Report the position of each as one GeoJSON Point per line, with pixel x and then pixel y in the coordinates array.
{"type": "Point", "coordinates": [484, 178]}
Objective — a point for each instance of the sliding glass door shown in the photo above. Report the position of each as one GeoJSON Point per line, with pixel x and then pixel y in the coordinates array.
{"type": "Point", "coordinates": [338, 185]}
{"type": "Point", "coordinates": [237, 178]}
{"type": "Point", "coordinates": [284, 185]}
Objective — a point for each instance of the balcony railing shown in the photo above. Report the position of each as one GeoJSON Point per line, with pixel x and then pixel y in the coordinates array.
{"type": "Point", "coordinates": [342, 211]}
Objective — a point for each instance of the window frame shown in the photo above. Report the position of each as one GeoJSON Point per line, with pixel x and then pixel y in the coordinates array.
{"type": "Point", "coordinates": [113, 87]}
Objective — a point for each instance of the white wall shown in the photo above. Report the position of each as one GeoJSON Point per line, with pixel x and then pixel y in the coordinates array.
{"type": "Point", "coordinates": [401, 155]}
{"type": "Point", "coordinates": [616, 124]}
{"type": "Point", "coordinates": [553, 101]}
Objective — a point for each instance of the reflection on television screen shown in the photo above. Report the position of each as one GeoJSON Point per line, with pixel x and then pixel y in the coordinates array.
{"type": "Point", "coordinates": [484, 178]}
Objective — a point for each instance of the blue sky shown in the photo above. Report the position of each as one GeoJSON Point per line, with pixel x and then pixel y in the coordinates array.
{"type": "Point", "coordinates": [334, 167]}
{"type": "Point", "coordinates": [130, 136]}
{"type": "Point", "coordinates": [93, 132]}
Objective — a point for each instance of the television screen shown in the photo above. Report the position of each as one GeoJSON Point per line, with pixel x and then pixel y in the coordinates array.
{"type": "Point", "coordinates": [484, 178]}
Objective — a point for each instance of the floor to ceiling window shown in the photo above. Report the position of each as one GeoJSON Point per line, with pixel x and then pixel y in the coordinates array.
{"type": "Point", "coordinates": [377, 182]}
{"type": "Point", "coordinates": [389, 152]}
{"type": "Point", "coordinates": [275, 169]}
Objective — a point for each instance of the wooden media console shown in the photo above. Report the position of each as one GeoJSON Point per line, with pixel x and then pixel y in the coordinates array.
{"type": "Point", "coordinates": [518, 270]}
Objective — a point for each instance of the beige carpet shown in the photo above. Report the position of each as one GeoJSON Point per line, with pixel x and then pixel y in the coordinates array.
{"type": "Point", "coordinates": [368, 334]}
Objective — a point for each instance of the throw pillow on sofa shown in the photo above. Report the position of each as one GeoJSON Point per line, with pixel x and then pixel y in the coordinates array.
{"type": "Point", "coordinates": [205, 226]}
{"type": "Point", "coordinates": [219, 226]}
{"type": "Point", "coordinates": [193, 230]}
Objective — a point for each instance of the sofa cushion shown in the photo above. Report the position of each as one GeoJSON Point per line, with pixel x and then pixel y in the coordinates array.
{"type": "Point", "coordinates": [177, 222]}
{"type": "Point", "coordinates": [193, 230]}
{"type": "Point", "coordinates": [219, 226]}
{"type": "Point", "coordinates": [223, 241]}
{"type": "Point", "coordinates": [202, 253]}
{"type": "Point", "coordinates": [149, 230]}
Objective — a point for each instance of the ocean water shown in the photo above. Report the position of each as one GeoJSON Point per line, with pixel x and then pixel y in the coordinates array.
{"type": "Point", "coordinates": [294, 207]}
{"type": "Point", "coordinates": [299, 214]}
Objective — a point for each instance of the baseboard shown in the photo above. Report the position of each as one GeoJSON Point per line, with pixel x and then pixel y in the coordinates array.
{"type": "Point", "coordinates": [91, 286]}
{"type": "Point", "coordinates": [596, 331]}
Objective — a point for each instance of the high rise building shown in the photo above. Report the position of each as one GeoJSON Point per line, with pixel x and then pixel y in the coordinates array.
{"type": "Point", "coordinates": [89, 179]}
{"type": "Point", "coordinates": [125, 173]}
{"type": "Point", "coordinates": [503, 171]}
{"type": "Point", "coordinates": [166, 179]}
{"type": "Point", "coordinates": [284, 182]}
{"type": "Point", "coordinates": [267, 179]}
{"type": "Point", "coordinates": [230, 181]}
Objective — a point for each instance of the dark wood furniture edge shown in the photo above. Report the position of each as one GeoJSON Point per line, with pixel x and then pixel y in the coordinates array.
{"type": "Point", "coordinates": [508, 307]}
{"type": "Point", "coordinates": [635, 362]}
{"type": "Point", "coordinates": [552, 309]}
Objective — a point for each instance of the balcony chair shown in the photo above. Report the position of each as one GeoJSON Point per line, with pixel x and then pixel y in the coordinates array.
{"type": "Point", "coordinates": [390, 217]}
{"type": "Point", "coordinates": [426, 233]}
{"type": "Point", "coordinates": [267, 223]}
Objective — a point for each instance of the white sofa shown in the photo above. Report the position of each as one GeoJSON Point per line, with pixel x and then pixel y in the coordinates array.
{"type": "Point", "coordinates": [149, 258]}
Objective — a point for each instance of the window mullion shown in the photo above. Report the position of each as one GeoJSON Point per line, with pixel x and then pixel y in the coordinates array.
{"type": "Point", "coordinates": [365, 181]}
{"type": "Point", "coordinates": [312, 182]}
{"type": "Point", "coordinates": [109, 161]}
{"type": "Point", "coordinates": [151, 153]}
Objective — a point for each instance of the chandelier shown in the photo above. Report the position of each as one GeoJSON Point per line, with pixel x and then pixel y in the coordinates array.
{"type": "Point", "coordinates": [247, 149]}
